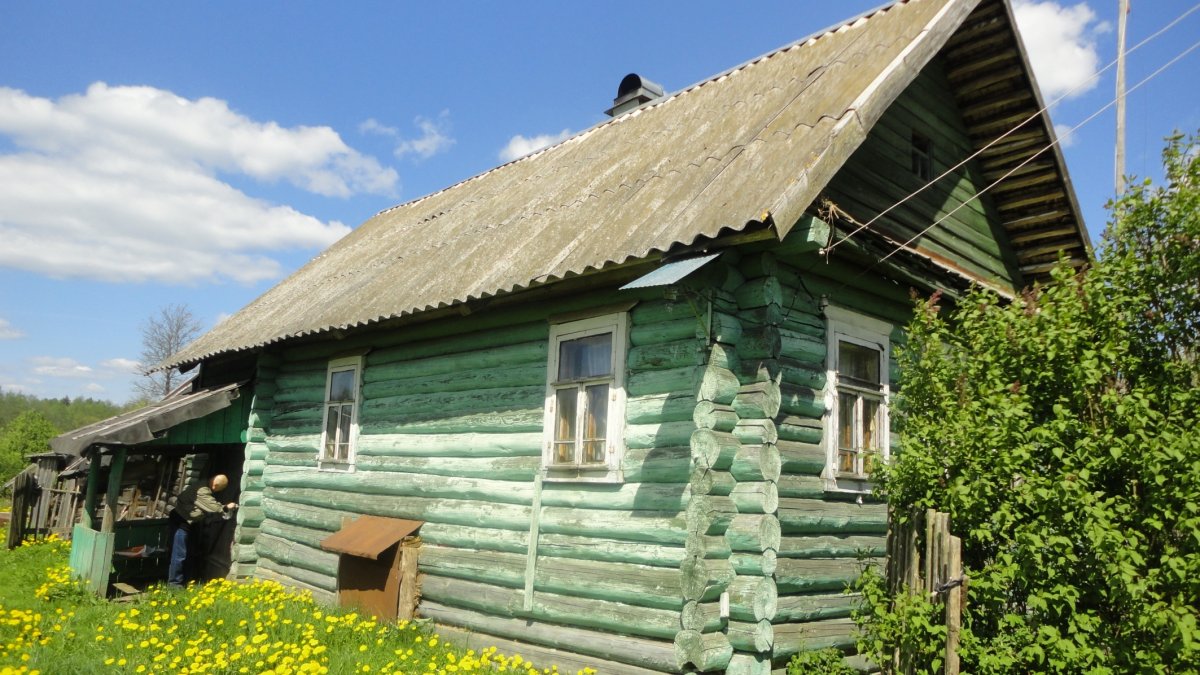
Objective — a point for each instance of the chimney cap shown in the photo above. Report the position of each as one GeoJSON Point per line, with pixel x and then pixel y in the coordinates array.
{"type": "Point", "coordinates": [633, 91]}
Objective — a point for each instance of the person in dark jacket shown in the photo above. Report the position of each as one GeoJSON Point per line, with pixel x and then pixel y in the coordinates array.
{"type": "Point", "coordinates": [191, 506]}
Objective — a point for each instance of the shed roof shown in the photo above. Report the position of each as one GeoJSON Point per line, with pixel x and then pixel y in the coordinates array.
{"type": "Point", "coordinates": [752, 145]}
{"type": "Point", "coordinates": [144, 424]}
{"type": "Point", "coordinates": [369, 536]}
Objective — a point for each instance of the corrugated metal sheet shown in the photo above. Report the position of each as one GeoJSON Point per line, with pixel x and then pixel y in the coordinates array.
{"type": "Point", "coordinates": [671, 272]}
{"type": "Point", "coordinates": [144, 424]}
{"type": "Point", "coordinates": [764, 137]}
{"type": "Point", "coordinates": [369, 536]}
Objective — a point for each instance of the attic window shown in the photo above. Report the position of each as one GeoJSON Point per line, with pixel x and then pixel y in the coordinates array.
{"type": "Point", "coordinates": [922, 157]}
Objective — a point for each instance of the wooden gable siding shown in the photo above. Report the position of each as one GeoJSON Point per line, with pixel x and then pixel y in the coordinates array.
{"type": "Point", "coordinates": [879, 174]}
{"type": "Point", "coordinates": [227, 425]}
{"type": "Point", "coordinates": [451, 424]}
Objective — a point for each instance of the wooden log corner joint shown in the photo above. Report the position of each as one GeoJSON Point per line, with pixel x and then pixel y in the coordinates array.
{"type": "Point", "coordinates": [377, 565]}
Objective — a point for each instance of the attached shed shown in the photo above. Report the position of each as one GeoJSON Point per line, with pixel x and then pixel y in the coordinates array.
{"type": "Point", "coordinates": [633, 384]}
{"type": "Point", "coordinates": [135, 465]}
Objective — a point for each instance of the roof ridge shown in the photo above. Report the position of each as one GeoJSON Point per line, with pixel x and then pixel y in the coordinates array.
{"type": "Point", "coordinates": [853, 22]}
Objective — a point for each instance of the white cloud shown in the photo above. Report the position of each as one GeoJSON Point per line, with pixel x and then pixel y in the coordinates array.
{"type": "Point", "coordinates": [122, 365]}
{"type": "Point", "coordinates": [374, 126]}
{"type": "Point", "coordinates": [435, 135]}
{"type": "Point", "coordinates": [94, 388]}
{"type": "Point", "coordinates": [8, 332]}
{"type": "Point", "coordinates": [519, 146]}
{"type": "Point", "coordinates": [60, 366]}
{"type": "Point", "coordinates": [1065, 138]}
{"type": "Point", "coordinates": [14, 388]}
{"type": "Point", "coordinates": [1061, 41]}
{"type": "Point", "coordinates": [122, 184]}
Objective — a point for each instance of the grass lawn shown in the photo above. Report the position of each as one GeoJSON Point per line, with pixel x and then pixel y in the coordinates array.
{"type": "Point", "coordinates": [50, 625]}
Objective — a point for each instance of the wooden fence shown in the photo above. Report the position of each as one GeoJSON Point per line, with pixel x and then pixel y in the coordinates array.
{"type": "Point", "coordinates": [24, 497]}
{"type": "Point", "coordinates": [923, 557]}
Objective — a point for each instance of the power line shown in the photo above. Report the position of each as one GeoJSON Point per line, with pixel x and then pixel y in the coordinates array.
{"type": "Point", "coordinates": [1035, 115]}
{"type": "Point", "coordinates": [1049, 145]}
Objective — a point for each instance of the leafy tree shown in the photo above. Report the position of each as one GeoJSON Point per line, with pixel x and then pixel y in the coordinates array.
{"type": "Point", "coordinates": [1059, 431]}
{"type": "Point", "coordinates": [1154, 251]}
{"type": "Point", "coordinates": [163, 334]}
{"type": "Point", "coordinates": [28, 434]}
{"type": "Point", "coordinates": [62, 413]}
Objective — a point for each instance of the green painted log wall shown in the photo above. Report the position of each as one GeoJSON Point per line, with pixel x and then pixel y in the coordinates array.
{"type": "Point", "coordinates": [227, 425]}
{"type": "Point", "coordinates": [723, 489]}
{"type": "Point", "coordinates": [451, 433]}
{"type": "Point", "coordinates": [793, 544]}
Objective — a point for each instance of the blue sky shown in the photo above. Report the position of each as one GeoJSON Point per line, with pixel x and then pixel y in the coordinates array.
{"type": "Point", "coordinates": [156, 153]}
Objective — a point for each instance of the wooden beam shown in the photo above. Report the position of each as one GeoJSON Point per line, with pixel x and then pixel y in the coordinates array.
{"type": "Point", "coordinates": [1013, 183]}
{"type": "Point", "coordinates": [89, 498]}
{"type": "Point", "coordinates": [1031, 200]}
{"type": "Point", "coordinates": [115, 470]}
{"type": "Point", "coordinates": [1022, 238]}
{"type": "Point", "coordinates": [531, 558]}
{"type": "Point", "coordinates": [1024, 222]}
{"type": "Point", "coordinates": [983, 82]}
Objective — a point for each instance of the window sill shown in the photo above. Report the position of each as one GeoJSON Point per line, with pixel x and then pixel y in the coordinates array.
{"type": "Point", "coordinates": [849, 486]}
{"type": "Point", "coordinates": [336, 467]}
{"type": "Point", "coordinates": [580, 475]}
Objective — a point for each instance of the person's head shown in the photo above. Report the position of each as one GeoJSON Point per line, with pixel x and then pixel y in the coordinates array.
{"type": "Point", "coordinates": [219, 482]}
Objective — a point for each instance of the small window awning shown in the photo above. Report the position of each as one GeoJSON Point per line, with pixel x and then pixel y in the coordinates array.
{"type": "Point", "coordinates": [671, 272]}
{"type": "Point", "coordinates": [369, 536]}
{"type": "Point", "coordinates": [146, 424]}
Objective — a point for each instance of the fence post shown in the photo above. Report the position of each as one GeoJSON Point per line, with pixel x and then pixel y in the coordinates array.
{"type": "Point", "coordinates": [954, 605]}
{"type": "Point", "coordinates": [934, 569]}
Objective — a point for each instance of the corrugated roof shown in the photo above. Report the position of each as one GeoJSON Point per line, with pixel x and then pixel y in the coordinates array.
{"type": "Point", "coordinates": [144, 424]}
{"type": "Point", "coordinates": [762, 138]}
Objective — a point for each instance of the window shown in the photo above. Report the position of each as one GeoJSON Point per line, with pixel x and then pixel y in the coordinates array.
{"type": "Point", "coordinates": [922, 157]}
{"type": "Point", "coordinates": [585, 399]}
{"type": "Point", "coordinates": [857, 390]}
{"type": "Point", "coordinates": [340, 427]}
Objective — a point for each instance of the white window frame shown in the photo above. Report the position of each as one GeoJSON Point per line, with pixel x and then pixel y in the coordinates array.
{"type": "Point", "coordinates": [843, 325]}
{"type": "Point", "coordinates": [349, 363]}
{"type": "Point", "coordinates": [610, 470]}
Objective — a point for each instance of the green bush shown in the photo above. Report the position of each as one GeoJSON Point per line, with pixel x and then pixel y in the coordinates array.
{"type": "Point", "coordinates": [29, 433]}
{"type": "Point", "coordinates": [1060, 432]}
{"type": "Point", "coordinates": [819, 662]}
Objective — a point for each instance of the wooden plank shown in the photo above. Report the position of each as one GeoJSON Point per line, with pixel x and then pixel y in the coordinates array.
{"type": "Point", "coordinates": [815, 606]}
{"type": "Point", "coordinates": [809, 575]}
{"type": "Point", "coordinates": [554, 545]}
{"type": "Point", "coordinates": [656, 655]}
{"type": "Point", "coordinates": [115, 471]}
{"type": "Point", "coordinates": [791, 638]}
{"type": "Point", "coordinates": [652, 496]}
{"type": "Point", "coordinates": [812, 516]}
{"type": "Point", "coordinates": [544, 657]}
{"type": "Point", "coordinates": [830, 546]}
{"type": "Point", "coordinates": [532, 546]}
{"type": "Point", "coordinates": [614, 617]}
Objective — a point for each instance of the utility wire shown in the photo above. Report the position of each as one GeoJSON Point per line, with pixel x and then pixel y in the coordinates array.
{"type": "Point", "coordinates": [1048, 146]}
{"type": "Point", "coordinates": [1006, 134]}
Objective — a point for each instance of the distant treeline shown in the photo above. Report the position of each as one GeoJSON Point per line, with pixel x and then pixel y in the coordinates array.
{"type": "Point", "coordinates": [27, 423]}
{"type": "Point", "coordinates": [63, 413]}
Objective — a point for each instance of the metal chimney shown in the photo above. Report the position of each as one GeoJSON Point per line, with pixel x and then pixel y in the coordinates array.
{"type": "Point", "coordinates": [633, 91]}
